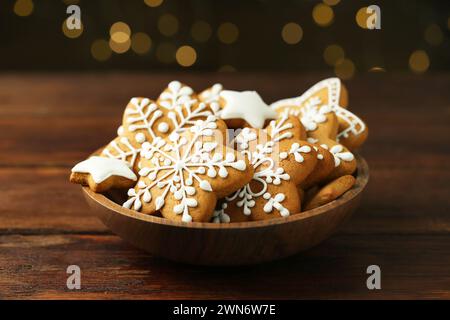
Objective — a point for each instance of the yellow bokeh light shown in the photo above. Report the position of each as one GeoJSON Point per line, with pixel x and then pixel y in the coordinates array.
{"type": "Point", "coordinates": [377, 69]}
{"type": "Point", "coordinates": [228, 33]}
{"type": "Point", "coordinates": [153, 3]}
{"type": "Point", "coordinates": [120, 32]}
{"type": "Point", "coordinates": [119, 47]}
{"type": "Point", "coordinates": [333, 54]}
{"type": "Point", "coordinates": [345, 69]}
{"type": "Point", "coordinates": [292, 33]}
{"type": "Point", "coordinates": [186, 56]}
{"type": "Point", "coordinates": [433, 35]}
{"type": "Point", "coordinates": [419, 61]}
{"type": "Point", "coordinates": [72, 33]}
{"type": "Point", "coordinates": [23, 8]}
{"type": "Point", "coordinates": [201, 31]}
{"type": "Point", "coordinates": [100, 50]}
{"type": "Point", "coordinates": [168, 24]}
{"type": "Point", "coordinates": [165, 52]}
{"type": "Point", "coordinates": [331, 2]}
{"type": "Point", "coordinates": [323, 15]}
{"type": "Point", "coordinates": [141, 43]}
{"type": "Point", "coordinates": [361, 17]}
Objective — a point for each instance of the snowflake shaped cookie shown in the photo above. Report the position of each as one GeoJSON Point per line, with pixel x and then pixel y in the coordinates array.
{"type": "Point", "coordinates": [281, 162]}
{"type": "Point", "coordinates": [144, 120]}
{"type": "Point", "coordinates": [184, 175]}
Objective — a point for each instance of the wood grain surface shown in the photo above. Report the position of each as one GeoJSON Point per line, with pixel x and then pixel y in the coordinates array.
{"type": "Point", "coordinates": [51, 121]}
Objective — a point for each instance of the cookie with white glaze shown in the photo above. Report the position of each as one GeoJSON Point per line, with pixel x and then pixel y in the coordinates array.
{"type": "Point", "coordinates": [281, 161]}
{"type": "Point", "coordinates": [313, 107]}
{"type": "Point", "coordinates": [100, 174]}
{"type": "Point", "coordinates": [183, 176]}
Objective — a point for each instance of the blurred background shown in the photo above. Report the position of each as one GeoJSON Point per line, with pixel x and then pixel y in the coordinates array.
{"type": "Point", "coordinates": [226, 36]}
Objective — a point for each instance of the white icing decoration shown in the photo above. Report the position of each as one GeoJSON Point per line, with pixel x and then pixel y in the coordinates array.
{"type": "Point", "coordinates": [174, 160]}
{"type": "Point", "coordinates": [176, 94]}
{"type": "Point", "coordinates": [339, 154]}
{"type": "Point", "coordinates": [102, 168]}
{"type": "Point", "coordinates": [266, 171]}
{"type": "Point", "coordinates": [127, 151]}
{"type": "Point", "coordinates": [143, 116]}
{"type": "Point", "coordinates": [163, 127]}
{"type": "Point", "coordinates": [140, 137]}
{"type": "Point", "coordinates": [355, 125]}
{"type": "Point", "coordinates": [246, 105]}
{"type": "Point", "coordinates": [120, 131]}
{"type": "Point", "coordinates": [220, 216]}
{"type": "Point", "coordinates": [212, 97]}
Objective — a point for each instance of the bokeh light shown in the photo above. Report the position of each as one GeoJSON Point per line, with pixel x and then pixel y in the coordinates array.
{"type": "Point", "coordinates": [141, 43]}
{"type": "Point", "coordinates": [345, 69]}
{"type": "Point", "coordinates": [228, 33]}
{"type": "Point", "coordinates": [331, 2]}
{"type": "Point", "coordinates": [120, 32]}
{"type": "Point", "coordinates": [292, 33]}
{"type": "Point", "coordinates": [153, 3]}
{"type": "Point", "coordinates": [361, 17]}
{"type": "Point", "coordinates": [165, 52]}
{"type": "Point", "coordinates": [419, 61]}
{"type": "Point", "coordinates": [120, 47]}
{"type": "Point", "coordinates": [201, 31]}
{"type": "Point", "coordinates": [168, 24]}
{"type": "Point", "coordinates": [186, 56]}
{"type": "Point", "coordinates": [333, 54]}
{"type": "Point", "coordinates": [433, 35]}
{"type": "Point", "coordinates": [23, 8]}
{"type": "Point", "coordinates": [377, 70]}
{"type": "Point", "coordinates": [100, 50]}
{"type": "Point", "coordinates": [72, 33]}
{"type": "Point", "coordinates": [323, 15]}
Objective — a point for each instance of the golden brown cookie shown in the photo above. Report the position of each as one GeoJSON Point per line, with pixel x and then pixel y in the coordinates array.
{"type": "Point", "coordinates": [313, 108]}
{"type": "Point", "coordinates": [281, 161]}
{"type": "Point", "coordinates": [100, 174]}
{"type": "Point", "coordinates": [323, 169]}
{"type": "Point", "coordinates": [330, 192]}
{"type": "Point", "coordinates": [184, 175]}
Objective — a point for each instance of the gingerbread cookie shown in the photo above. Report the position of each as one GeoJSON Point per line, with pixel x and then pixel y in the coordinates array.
{"type": "Point", "coordinates": [281, 162]}
{"type": "Point", "coordinates": [184, 175]}
{"type": "Point", "coordinates": [313, 107]}
{"type": "Point", "coordinates": [176, 94]}
{"type": "Point", "coordinates": [330, 192]}
{"type": "Point", "coordinates": [321, 124]}
{"type": "Point", "coordinates": [100, 174]}
{"type": "Point", "coordinates": [323, 169]}
{"type": "Point", "coordinates": [144, 120]}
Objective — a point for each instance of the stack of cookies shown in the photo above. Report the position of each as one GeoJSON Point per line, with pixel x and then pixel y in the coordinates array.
{"type": "Point", "coordinates": [226, 156]}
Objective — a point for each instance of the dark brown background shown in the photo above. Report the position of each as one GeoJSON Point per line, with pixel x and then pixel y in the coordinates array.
{"type": "Point", "coordinates": [37, 41]}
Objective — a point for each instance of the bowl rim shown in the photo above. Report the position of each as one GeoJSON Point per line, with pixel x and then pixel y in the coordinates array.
{"type": "Point", "coordinates": [361, 181]}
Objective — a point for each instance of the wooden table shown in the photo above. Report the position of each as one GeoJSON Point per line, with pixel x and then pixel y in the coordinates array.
{"type": "Point", "coordinates": [51, 121]}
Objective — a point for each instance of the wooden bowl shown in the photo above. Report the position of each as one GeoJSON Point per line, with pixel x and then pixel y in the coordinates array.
{"type": "Point", "coordinates": [228, 244]}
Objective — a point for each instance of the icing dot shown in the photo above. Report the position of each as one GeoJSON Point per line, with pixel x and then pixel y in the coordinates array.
{"type": "Point", "coordinates": [120, 131]}
{"type": "Point", "coordinates": [163, 127]}
{"type": "Point", "coordinates": [140, 137]}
